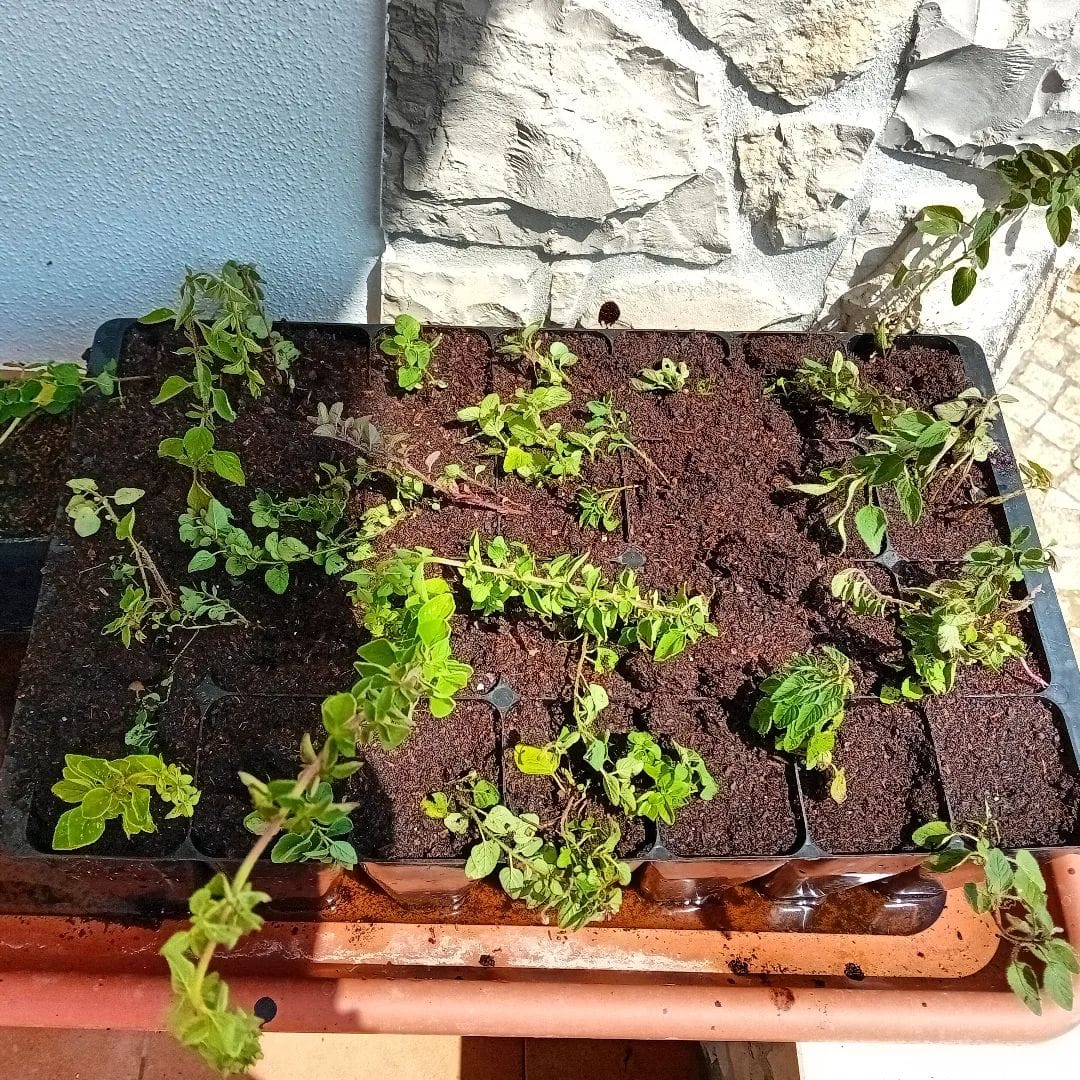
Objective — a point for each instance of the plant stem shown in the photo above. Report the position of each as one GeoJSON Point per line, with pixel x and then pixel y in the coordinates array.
{"type": "Point", "coordinates": [455, 490]}
{"type": "Point", "coordinates": [648, 461]}
{"type": "Point", "coordinates": [531, 579]}
{"type": "Point", "coordinates": [1036, 679]}
{"type": "Point", "coordinates": [303, 781]}
{"type": "Point", "coordinates": [9, 429]}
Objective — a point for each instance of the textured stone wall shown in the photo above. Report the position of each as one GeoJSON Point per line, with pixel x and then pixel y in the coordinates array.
{"type": "Point", "coordinates": [708, 163]}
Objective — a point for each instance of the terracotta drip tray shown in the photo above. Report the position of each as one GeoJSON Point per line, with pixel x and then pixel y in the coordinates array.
{"type": "Point", "coordinates": [371, 974]}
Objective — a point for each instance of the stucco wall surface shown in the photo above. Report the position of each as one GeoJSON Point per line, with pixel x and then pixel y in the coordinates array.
{"type": "Point", "coordinates": [136, 137]}
{"type": "Point", "coordinates": [710, 163]}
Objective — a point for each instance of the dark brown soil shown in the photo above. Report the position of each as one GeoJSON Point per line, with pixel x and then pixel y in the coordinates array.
{"type": "Point", "coordinates": [724, 526]}
{"type": "Point", "coordinates": [261, 735]}
{"type": "Point", "coordinates": [31, 476]}
{"type": "Point", "coordinates": [96, 729]}
{"type": "Point", "coordinates": [1011, 757]}
{"type": "Point", "coordinates": [892, 782]}
{"type": "Point", "coordinates": [537, 723]}
{"type": "Point", "coordinates": [754, 812]}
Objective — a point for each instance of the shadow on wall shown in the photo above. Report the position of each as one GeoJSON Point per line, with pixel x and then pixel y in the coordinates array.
{"type": "Point", "coordinates": [137, 138]}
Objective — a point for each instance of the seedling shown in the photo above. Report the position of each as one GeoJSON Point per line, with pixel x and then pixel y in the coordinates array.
{"type": "Point", "coordinates": [548, 367]}
{"type": "Point", "coordinates": [150, 601]}
{"type": "Point", "coordinates": [961, 247]}
{"type": "Point", "coordinates": [387, 455]}
{"type": "Point", "coordinates": [645, 781]}
{"type": "Point", "coordinates": [413, 353]}
{"type": "Point", "coordinates": [202, 1018]}
{"type": "Point", "coordinates": [214, 536]}
{"type": "Point", "coordinates": [803, 703]}
{"type": "Point", "coordinates": [48, 389]}
{"type": "Point", "coordinates": [228, 332]}
{"type": "Point", "coordinates": [196, 452]}
{"type": "Point", "coordinates": [142, 735]}
{"type": "Point", "coordinates": [409, 660]}
{"type": "Point", "coordinates": [324, 508]}
{"type": "Point", "coordinates": [840, 385]}
{"type": "Point", "coordinates": [669, 377]}
{"type": "Point", "coordinates": [599, 509]}
{"type": "Point", "coordinates": [607, 420]}
{"type": "Point", "coordinates": [1013, 893]}
{"type": "Point", "coordinates": [574, 876]}
{"type": "Point", "coordinates": [954, 622]}
{"type": "Point", "coordinates": [527, 444]}
{"type": "Point", "coordinates": [909, 452]}
{"type": "Point", "coordinates": [315, 823]}
{"type": "Point", "coordinates": [567, 588]}
{"type": "Point", "coordinates": [104, 790]}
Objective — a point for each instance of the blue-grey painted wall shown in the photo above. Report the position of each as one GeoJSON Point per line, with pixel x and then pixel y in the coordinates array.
{"type": "Point", "coordinates": [137, 136]}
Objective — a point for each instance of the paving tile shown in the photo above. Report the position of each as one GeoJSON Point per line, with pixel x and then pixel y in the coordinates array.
{"type": "Point", "coordinates": [614, 1059]}
{"type": "Point", "coordinates": [288, 1056]}
{"type": "Point", "coordinates": [1069, 402]}
{"type": "Point", "coordinates": [56, 1054]}
{"type": "Point", "coordinates": [1036, 447]}
{"type": "Point", "coordinates": [1059, 430]}
{"type": "Point", "coordinates": [1041, 380]}
{"type": "Point", "coordinates": [1024, 411]}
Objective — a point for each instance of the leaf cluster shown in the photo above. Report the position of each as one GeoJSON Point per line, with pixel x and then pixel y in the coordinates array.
{"type": "Point", "coordinates": [196, 452]}
{"type": "Point", "coordinates": [49, 389]}
{"type": "Point", "coordinates": [644, 781]}
{"type": "Point", "coordinates": [528, 445]}
{"type": "Point", "coordinates": [412, 352]}
{"type": "Point", "coordinates": [668, 376]}
{"type": "Point", "coordinates": [324, 508]}
{"type": "Point", "coordinates": [803, 704]}
{"type": "Point", "coordinates": [573, 876]}
{"type": "Point", "coordinates": [228, 331]}
{"type": "Point", "coordinates": [549, 365]}
{"type": "Point", "coordinates": [410, 662]}
{"type": "Point", "coordinates": [313, 822]}
{"type": "Point", "coordinates": [953, 622]}
{"type": "Point", "coordinates": [141, 613]}
{"type": "Point", "coordinates": [201, 1017]}
{"type": "Point", "coordinates": [142, 734]}
{"type": "Point", "coordinates": [216, 539]}
{"type": "Point", "coordinates": [103, 790]}
{"type": "Point", "coordinates": [838, 384]}
{"type": "Point", "coordinates": [599, 508]}
{"type": "Point", "coordinates": [571, 588]}
{"type": "Point", "coordinates": [908, 452]}
{"type": "Point", "coordinates": [1013, 893]}
{"type": "Point", "coordinates": [960, 246]}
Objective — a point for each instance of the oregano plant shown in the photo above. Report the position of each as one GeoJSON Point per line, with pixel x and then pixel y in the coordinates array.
{"type": "Point", "coordinates": [802, 705]}
{"type": "Point", "coordinates": [196, 452]}
{"type": "Point", "coordinates": [228, 331]}
{"type": "Point", "coordinates": [147, 604]}
{"type": "Point", "coordinates": [47, 390]}
{"type": "Point", "coordinates": [669, 376]}
{"type": "Point", "coordinates": [202, 1017]}
{"type": "Point", "coordinates": [411, 350]}
{"type": "Point", "coordinates": [954, 622]}
{"type": "Point", "coordinates": [548, 366]}
{"type": "Point", "coordinates": [104, 790]}
{"type": "Point", "coordinates": [572, 876]}
{"type": "Point", "coordinates": [960, 246]}
{"type": "Point", "coordinates": [1013, 892]}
